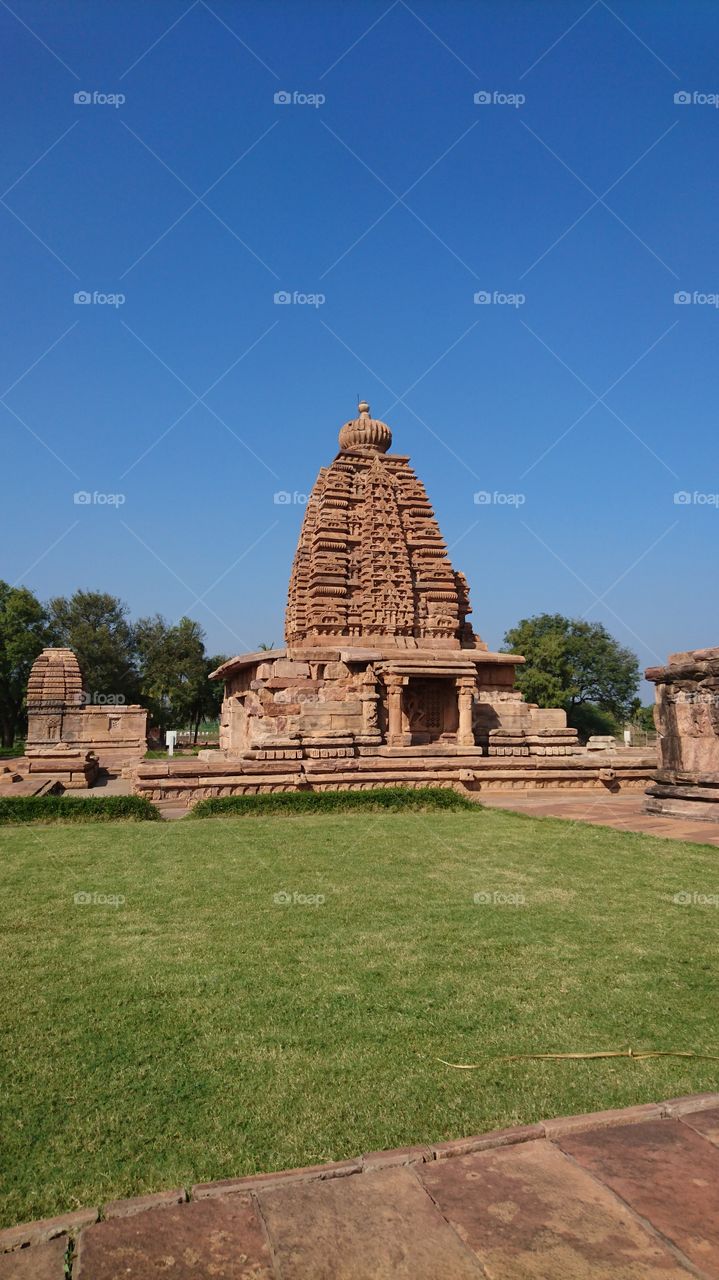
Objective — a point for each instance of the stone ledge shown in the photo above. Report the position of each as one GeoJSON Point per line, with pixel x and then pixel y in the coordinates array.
{"type": "Point", "coordinates": [674, 1107]}
{"type": "Point", "coordinates": [158, 1200]}
{"type": "Point", "coordinates": [266, 1181]}
{"type": "Point", "coordinates": [603, 1119]}
{"type": "Point", "coordinates": [375, 1160]}
{"type": "Point", "coordinates": [46, 1229]}
{"type": "Point", "coordinates": [485, 1141]}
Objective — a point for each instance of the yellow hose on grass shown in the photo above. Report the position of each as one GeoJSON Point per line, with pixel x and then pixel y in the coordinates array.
{"type": "Point", "coordinates": [609, 1053]}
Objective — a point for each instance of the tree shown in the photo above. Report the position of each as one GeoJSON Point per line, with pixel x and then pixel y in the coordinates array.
{"type": "Point", "coordinates": [23, 634]}
{"type": "Point", "coordinates": [644, 719]}
{"type": "Point", "coordinates": [174, 672]}
{"type": "Point", "coordinates": [155, 669]}
{"type": "Point", "coordinates": [208, 700]}
{"type": "Point", "coordinates": [576, 665]}
{"type": "Point", "coordinates": [96, 626]}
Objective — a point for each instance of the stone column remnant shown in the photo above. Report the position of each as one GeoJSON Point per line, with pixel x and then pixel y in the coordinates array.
{"type": "Point", "coordinates": [686, 715]}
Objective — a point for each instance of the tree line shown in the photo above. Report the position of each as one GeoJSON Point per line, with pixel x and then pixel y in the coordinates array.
{"type": "Point", "coordinates": [579, 666]}
{"type": "Point", "coordinates": [161, 665]}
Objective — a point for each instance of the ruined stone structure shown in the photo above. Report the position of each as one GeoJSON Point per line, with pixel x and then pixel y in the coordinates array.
{"type": "Point", "coordinates": [68, 739]}
{"type": "Point", "coordinates": [686, 714]}
{"type": "Point", "coordinates": [383, 679]}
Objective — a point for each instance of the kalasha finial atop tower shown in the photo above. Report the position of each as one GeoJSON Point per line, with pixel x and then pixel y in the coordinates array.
{"type": "Point", "coordinates": [365, 434]}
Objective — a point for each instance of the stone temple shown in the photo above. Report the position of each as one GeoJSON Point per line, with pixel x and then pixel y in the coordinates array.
{"type": "Point", "coordinates": [383, 680]}
{"type": "Point", "coordinates": [381, 663]}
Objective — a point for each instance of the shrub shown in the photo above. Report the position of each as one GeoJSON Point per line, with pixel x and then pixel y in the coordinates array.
{"type": "Point", "coordinates": [387, 799]}
{"type": "Point", "coordinates": [73, 809]}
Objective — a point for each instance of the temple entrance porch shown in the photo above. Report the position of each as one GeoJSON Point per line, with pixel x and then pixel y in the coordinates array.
{"type": "Point", "coordinates": [423, 706]}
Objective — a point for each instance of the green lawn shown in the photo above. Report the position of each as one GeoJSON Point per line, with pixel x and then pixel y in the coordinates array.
{"type": "Point", "coordinates": [198, 1029]}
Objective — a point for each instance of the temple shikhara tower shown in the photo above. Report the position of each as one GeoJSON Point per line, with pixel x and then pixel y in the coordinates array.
{"type": "Point", "coordinates": [383, 678]}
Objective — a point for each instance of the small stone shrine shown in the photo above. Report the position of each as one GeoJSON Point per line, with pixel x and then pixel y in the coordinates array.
{"type": "Point", "coordinates": [68, 739]}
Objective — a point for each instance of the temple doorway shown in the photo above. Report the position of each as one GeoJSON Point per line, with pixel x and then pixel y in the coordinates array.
{"type": "Point", "coordinates": [431, 710]}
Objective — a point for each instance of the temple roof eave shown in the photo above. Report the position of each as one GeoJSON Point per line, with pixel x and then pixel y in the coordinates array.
{"type": "Point", "coordinates": [419, 660]}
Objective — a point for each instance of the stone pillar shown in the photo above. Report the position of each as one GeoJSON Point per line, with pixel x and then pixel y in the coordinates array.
{"type": "Point", "coordinates": [396, 736]}
{"type": "Point", "coordinates": [465, 697]}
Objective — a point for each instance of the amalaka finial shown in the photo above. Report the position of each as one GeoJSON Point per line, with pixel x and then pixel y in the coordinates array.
{"type": "Point", "coordinates": [365, 434]}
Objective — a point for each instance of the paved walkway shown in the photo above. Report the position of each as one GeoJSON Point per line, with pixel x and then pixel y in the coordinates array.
{"type": "Point", "coordinates": [617, 1195]}
{"type": "Point", "coordinates": [624, 811]}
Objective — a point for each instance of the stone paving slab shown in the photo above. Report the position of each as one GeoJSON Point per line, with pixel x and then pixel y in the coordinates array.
{"type": "Point", "coordinates": [43, 1262]}
{"type": "Point", "coordinates": [208, 1240]}
{"type": "Point", "coordinates": [379, 1224]}
{"type": "Point", "coordinates": [630, 1195]}
{"type": "Point", "coordinates": [706, 1123]}
{"type": "Point", "coordinates": [623, 812]}
{"type": "Point", "coordinates": [528, 1211]}
{"type": "Point", "coordinates": [665, 1172]}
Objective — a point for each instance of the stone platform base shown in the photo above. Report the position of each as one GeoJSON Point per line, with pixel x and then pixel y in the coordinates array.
{"type": "Point", "coordinates": [14, 783]}
{"type": "Point", "coordinates": [680, 796]}
{"type": "Point", "coordinates": [471, 772]}
{"type": "Point", "coordinates": [65, 770]}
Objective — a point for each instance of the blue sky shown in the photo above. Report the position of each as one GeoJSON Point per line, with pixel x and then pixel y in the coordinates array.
{"type": "Point", "coordinates": [396, 199]}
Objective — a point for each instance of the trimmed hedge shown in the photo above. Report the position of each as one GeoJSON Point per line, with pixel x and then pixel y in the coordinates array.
{"type": "Point", "coordinates": [72, 809]}
{"type": "Point", "coordinates": [385, 799]}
